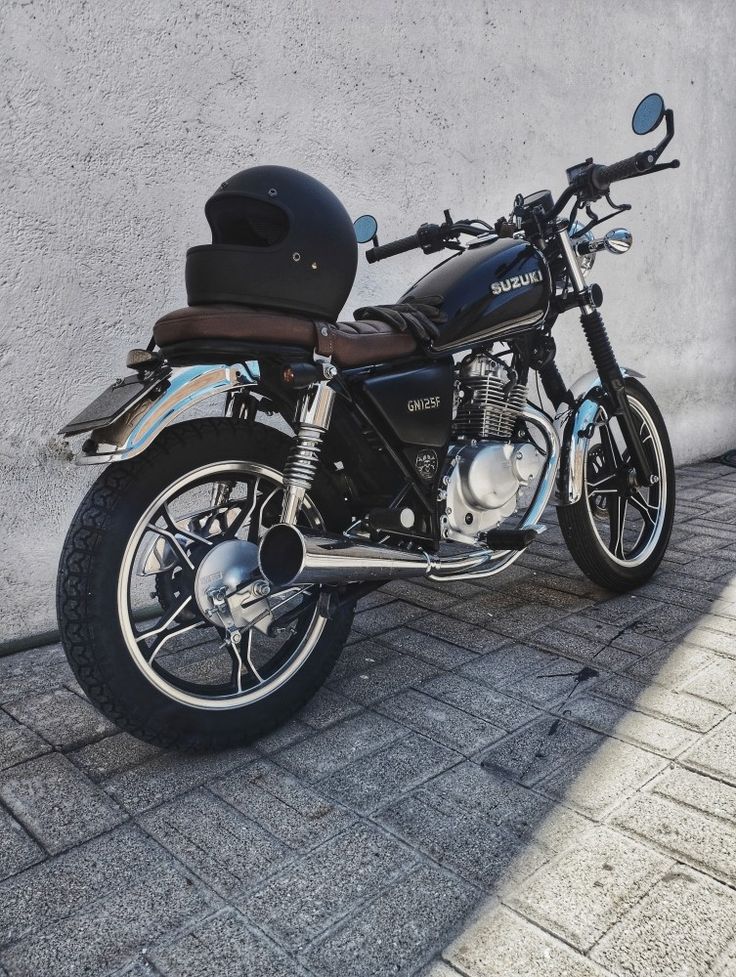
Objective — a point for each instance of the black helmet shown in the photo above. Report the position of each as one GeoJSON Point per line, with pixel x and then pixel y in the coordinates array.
{"type": "Point", "coordinates": [280, 240]}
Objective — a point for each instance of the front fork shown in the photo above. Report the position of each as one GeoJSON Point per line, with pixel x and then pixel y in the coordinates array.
{"type": "Point", "coordinates": [605, 362]}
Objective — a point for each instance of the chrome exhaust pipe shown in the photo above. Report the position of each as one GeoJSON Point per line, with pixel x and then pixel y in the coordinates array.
{"type": "Point", "coordinates": [288, 555]}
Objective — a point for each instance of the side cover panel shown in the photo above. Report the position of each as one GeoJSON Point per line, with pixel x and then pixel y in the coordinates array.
{"type": "Point", "coordinates": [415, 403]}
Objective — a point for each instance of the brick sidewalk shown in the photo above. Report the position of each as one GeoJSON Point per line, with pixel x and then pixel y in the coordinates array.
{"type": "Point", "coordinates": [525, 778]}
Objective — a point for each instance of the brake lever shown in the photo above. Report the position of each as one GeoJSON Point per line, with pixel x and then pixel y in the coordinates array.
{"type": "Point", "coordinates": [672, 165]}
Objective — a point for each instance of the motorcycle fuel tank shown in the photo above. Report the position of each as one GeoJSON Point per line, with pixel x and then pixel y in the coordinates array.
{"type": "Point", "coordinates": [491, 291]}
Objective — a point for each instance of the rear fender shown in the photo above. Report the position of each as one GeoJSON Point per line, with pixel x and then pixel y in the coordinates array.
{"type": "Point", "coordinates": [131, 433]}
{"type": "Point", "coordinates": [574, 429]}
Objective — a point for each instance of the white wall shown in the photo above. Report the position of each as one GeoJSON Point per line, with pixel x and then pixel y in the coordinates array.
{"type": "Point", "coordinates": [118, 120]}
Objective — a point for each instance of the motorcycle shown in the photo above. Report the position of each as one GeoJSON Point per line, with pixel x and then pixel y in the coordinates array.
{"type": "Point", "coordinates": [209, 579]}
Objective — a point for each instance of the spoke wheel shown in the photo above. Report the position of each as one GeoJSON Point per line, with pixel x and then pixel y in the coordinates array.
{"type": "Point", "coordinates": [619, 531]}
{"type": "Point", "coordinates": [206, 507]}
{"type": "Point", "coordinates": [174, 525]}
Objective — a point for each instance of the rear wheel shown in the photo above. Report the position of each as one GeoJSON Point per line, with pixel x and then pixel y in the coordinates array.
{"type": "Point", "coordinates": [618, 532]}
{"type": "Point", "coordinates": [156, 542]}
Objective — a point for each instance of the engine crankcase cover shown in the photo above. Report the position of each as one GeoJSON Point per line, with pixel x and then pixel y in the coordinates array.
{"type": "Point", "coordinates": [484, 486]}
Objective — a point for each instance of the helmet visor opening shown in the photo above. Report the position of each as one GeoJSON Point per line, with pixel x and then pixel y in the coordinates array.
{"type": "Point", "coordinates": [239, 219]}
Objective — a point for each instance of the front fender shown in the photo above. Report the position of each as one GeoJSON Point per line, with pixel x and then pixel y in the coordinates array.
{"type": "Point", "coordinates": [574, 428]}
{"type": "Point", "coordinates": [185, 387]}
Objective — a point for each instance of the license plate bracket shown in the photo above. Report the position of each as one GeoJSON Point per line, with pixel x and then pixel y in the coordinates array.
{"type": "Point", "coordinates": [113, 403]}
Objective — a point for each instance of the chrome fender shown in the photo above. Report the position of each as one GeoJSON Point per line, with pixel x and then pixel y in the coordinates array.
{"type": "Point", "coordinates": [574, 428]}
{"type": "Point", "coordinates": [185, 387]}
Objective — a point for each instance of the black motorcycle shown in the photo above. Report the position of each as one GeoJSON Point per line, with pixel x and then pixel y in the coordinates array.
{"type": "Point", "coordinates": [209, 579]}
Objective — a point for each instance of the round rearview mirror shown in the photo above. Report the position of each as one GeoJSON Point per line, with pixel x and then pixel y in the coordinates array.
{"type": "Point", "coordinates": [648, 114]}
{"type": "Point", "coordinates": [366, 228]}
{"type": "Point", "coordinates": [618, 240]}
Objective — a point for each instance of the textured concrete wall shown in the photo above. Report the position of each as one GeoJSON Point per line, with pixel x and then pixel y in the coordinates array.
{"type": "Point", "coordinates": [119, 119]}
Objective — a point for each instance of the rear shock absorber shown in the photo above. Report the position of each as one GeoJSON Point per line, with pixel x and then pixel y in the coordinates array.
{"type": "Point", "coordinates": [315, 413]}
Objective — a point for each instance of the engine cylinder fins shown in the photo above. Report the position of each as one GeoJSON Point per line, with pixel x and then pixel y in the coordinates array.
{"type": "Point", "coordinates": [492, 400]}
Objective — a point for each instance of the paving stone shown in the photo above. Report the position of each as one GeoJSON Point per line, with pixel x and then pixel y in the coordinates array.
{"type": "Point", "coordinates": [520, 622]}
{"type": "Point", "coordinates": [609, 635]}
{"type": "Point", "coordinates": [290, 732]}
{"type": "Point", "coordinates": [589, 888]}
{"type": "Point", "coordinates": [724, 644]}
{"type": "Point", "coordinates": [667, 620]}
{"type": "Point", "coordinates": [332, 881]}
{"type": "Point", "coordinates": [464, 634]}
{"type": "Point", "coordinates": [215, 841]}
{"type": "Point", "coordinates": [360, 656]}
{"type": "Point", "coordinates": [168, 775]}
{"type": "Point", "coordinates": [299, 816]}
{"type": "Point", "coordinates": [680, 927]}
{"type": "Point", "coordinates": [98, 939]}
{"type": "Point", "coordinates": [489, 831]}
{"type": "Point", "coordinates": [716, 753]}
{"type": "Point", "coordinates": [414, 918]}
{"type": "Point", "coordinates": [500, 944]}
{"type": "Point", "coordinates": [580, 647]}
{"type": "Point", "coordinates": [424, 597]}
{"type": "Point", "coordinates": [17, 849]}
{"type": "Point", "coordinates": [375, 779]}
{"type": "Point", "coordinates": [440, 721]}
{"type": "Point", "coordinates": [479, 700]}
{"type": "Point", "coordinates": [326, 708]}
{"type": "Point", "coordinates": [223, 946]}
{"type": "Point", "coordinates": [33, 672]}
{"type": "Point", "coordinates": [510, 666]}
{"type": "Point", "coordinates": [56, 803]}
{"type": "Point", "coordinates": [113, 755]}
{"type": "Point", "coordinates": [124, 859]}
{"type": "Point", "coordinates": [384, 679]}
{"type": "Point", "coordinates": [341, 744]}
{"type": "Point", "coordinates": [695, 790]}
{"type": "Point", "coordinates": [678, 707]}
{"type": "Point", "coordinates": [579, 585]}
{"type": "Point", "coordinates": [433, 650]}
{"type": "Point", "coordinates": [699, 839]}
{"type": "Point", "coordinates": [384, 618]}
{"type": "Point", "coordinates": [595, 782]}
{"type": "Point", "coordinates": [627, 724]}
{"type": "Point", "coordinates": [711, 568]}
{"type": "Point", "coordinates": [18, 743]}
{"type": "Point", "coordinates": [539, 748]}
{"type": "Point", "coordinates": [438, 969]}
{"type": "Point", "coordinates": [63, 718]}
{"type": "Point", "coordinates": [622, 611]}
{"type": "Point", "coordinates": [485, 609]}
{"type": "Point", "coordinates": [672, 665]}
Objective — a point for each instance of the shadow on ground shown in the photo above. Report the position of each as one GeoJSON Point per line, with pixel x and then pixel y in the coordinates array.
{"type": "Point", "coordinates": [528, 776]}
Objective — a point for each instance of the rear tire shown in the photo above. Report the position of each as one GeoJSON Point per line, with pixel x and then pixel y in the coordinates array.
{"type": "Point", "coordinates": [92, 634]}
{"type": "Point", "coordinates": [605, 555]}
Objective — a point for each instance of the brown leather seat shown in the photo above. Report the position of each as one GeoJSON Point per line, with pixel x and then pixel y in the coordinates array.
{"type": "Point", "coordinates": [349, 343]}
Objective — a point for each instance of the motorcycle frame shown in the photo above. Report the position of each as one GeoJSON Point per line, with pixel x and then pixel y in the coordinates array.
{"type": "Point", "coordinates": [577, 409]}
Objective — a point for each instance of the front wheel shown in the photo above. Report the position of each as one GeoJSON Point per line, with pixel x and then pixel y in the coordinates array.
{"type": "Point", "coordinates": [156, 542]}
{"type": "Point", "coordinates": [618, 532]}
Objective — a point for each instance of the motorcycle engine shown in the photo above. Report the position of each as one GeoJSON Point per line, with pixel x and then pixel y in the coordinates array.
{"type": "Point", "coordinates": [489, 474]}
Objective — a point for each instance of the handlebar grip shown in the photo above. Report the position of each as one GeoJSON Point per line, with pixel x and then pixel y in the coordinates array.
{"type": "Point", "coordinates": [603, 176]}
{"type": "Point", "coordinates": [392, 248]}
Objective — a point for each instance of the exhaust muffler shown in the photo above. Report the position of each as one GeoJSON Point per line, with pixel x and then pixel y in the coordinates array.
{"type": "Point", "coordinates": [288, 555]}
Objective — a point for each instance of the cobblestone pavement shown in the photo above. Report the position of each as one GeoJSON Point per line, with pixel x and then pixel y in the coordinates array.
{"type": "Point", "coordinates": [529, 777]}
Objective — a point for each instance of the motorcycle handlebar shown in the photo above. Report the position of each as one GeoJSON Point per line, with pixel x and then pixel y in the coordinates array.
{"type": "Point", "coordinates": [392, 248]}
{"type": "Point", "coordinates": [603, 176]}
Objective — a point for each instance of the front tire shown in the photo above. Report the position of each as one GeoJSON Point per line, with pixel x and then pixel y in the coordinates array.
{"type": "Point", "coordinates": [158, 682]}
{"type": "Point", "coordinates": [618, 533]}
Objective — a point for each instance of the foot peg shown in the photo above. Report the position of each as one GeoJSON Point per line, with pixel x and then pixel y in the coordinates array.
{"type": "Point", "coordinates": [511, 539]}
